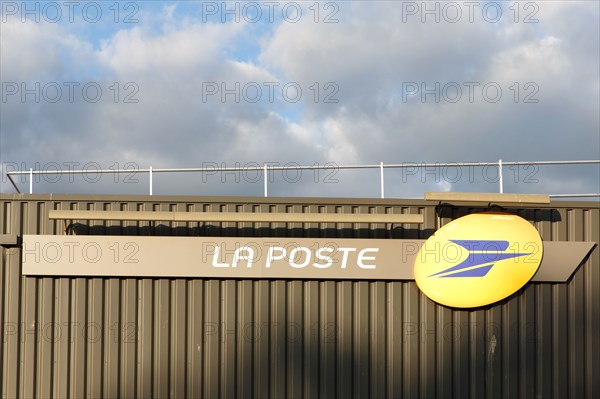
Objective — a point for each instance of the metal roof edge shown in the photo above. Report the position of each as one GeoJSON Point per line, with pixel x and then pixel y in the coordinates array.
{"type": "Point", "coordinates": [278, 200]}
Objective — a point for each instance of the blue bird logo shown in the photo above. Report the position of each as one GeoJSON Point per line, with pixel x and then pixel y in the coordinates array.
{"type": "Point", "coordinates": [483, 254]}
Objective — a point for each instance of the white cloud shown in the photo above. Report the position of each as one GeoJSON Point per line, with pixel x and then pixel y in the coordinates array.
{"type": "Point", "coordinates": [32, 51]}
{"type": "Point", "coordinates": [189, 47]}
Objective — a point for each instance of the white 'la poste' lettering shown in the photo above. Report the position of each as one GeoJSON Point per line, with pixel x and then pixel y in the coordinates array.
{"type": "Point", "coordinates": [300, 257]}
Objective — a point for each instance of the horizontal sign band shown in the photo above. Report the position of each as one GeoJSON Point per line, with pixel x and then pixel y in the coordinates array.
{"type": "Point", "coordinates": [237, 217]}
{"type": "Point", "coordinates": [229, 257]}
{"type": "Point", "coordinates": [488, 197]}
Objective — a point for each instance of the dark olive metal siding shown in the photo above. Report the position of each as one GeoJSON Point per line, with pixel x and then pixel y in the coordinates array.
{"type": "Point", "coordinates": [176, 338]}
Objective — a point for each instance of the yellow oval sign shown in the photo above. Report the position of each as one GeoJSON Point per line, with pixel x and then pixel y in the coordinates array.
{"type": "Point", "coordinates": [478, 259]}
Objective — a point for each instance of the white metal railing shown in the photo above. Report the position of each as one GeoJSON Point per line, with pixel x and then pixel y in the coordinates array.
{"type": "Point", "coordinates": [328, 166]}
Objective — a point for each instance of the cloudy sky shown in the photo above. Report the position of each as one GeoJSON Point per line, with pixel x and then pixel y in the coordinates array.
{"type": "Point", "coordinates": [133, 84]}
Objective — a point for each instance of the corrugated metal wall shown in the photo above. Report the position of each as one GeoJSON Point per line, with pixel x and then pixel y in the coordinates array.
{"type": "Point", "coordinates": [176, 338]}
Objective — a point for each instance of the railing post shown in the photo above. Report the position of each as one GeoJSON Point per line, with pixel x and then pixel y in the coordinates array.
{"type": "Point", "coordinates": [30, 180]}
{"type": "Point", "coordinates": [500, 183]}
{"type": "Point", "coordinates": [150, 178]}
{"type": "Point", "coordinates": [381, 178]}
{"type": "Point", "coordinates": [265, 177]}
